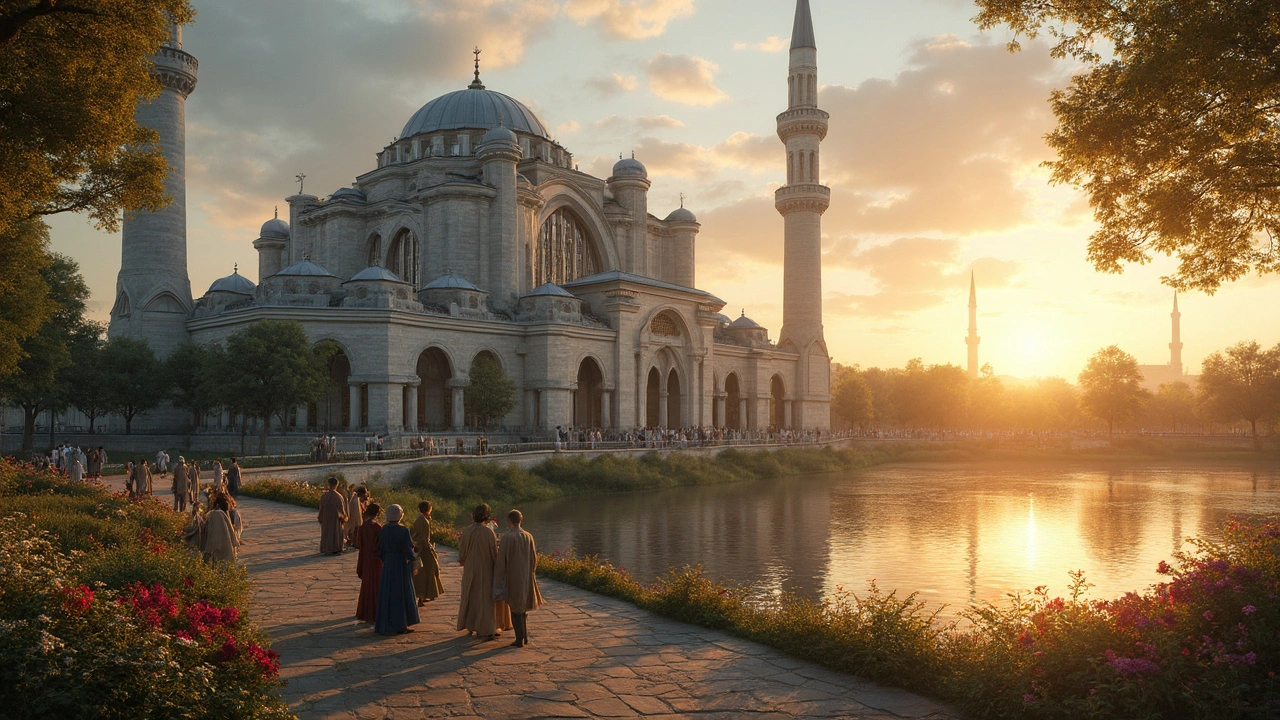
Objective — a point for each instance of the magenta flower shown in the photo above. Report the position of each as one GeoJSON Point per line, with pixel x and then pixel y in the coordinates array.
{"type": "Point", "coordinates": [1248, 609]}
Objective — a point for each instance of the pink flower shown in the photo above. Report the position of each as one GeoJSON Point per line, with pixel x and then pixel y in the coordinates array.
{"type": "Point", "coordinates": [1248, 609]}
{"type": "Point", "coordinates": [1208, 615]}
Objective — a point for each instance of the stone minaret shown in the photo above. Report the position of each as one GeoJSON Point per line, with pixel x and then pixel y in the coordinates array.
{"type": "Point", "coordinates": [973, 339]}
{"type": "Point", "coordinates": [803, 199]}
{"type": "Point", "coordinates": [1175, 347]}
{"type": "Point", "coordinates": [153, 292]}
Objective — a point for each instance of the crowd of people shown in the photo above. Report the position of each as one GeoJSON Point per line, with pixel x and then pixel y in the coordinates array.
{"type": "Point", "coordinates": [399, 570]}
{"type": "Point", "coordinates": [73, 462]}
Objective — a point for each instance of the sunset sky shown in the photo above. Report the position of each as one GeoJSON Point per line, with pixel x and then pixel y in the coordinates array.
{"type": "Point", "coordinates": [933, 157]}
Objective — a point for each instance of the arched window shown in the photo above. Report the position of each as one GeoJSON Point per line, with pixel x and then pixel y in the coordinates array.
{"type": "Point", "coordinates": [402, 258]}
{"type": "Point", "coordinates": [375, 251]}
{"type": "Point", "coordinates": [813, 167]}
{"type": "Point", "coordinates": [564, 252]}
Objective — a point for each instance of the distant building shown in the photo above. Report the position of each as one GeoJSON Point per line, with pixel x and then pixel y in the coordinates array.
{"type": "Point", "coordinates": [1153, 376]}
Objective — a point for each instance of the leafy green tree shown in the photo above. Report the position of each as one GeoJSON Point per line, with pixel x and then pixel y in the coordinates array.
{"type": "Point", "coordinates": [490, 396]}
{"type": "Point", "coordinates": [134, 377]}
{"type": "Point", "coordinates": [24, 296]}
{"type": "Point", "coordinates": [1172, 407]}
{"type": "Point", "coordinates": [188, 371]}
{"type": "Point", "coordinates": [987, 399]}
{"type": "Point", "coordinates": [72, 73]}
{"type": "Point", "coordinates": [1241, 383]}
{"type": "Point", "coordinates": [1111, 387]}
{"type": "Point", "coordinates": [268, 368]}
{"type": "Point", "coordinates": [83, 380]}
{"type": "Point", "coordinates": [851, 399]}
{"type": "Point", "coordinates": [1170, 129]}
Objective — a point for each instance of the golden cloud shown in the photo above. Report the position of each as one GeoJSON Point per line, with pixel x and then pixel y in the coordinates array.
{"type": "Point", "coordinates": [686, 79]}
{"type": "Point", "coordinates": [628, 19]}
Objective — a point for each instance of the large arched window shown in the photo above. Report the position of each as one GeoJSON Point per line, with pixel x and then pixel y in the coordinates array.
{"type": "Point", "coordinates": [402, 258]}
{"type": "Point", "coordinates": [564, 252]}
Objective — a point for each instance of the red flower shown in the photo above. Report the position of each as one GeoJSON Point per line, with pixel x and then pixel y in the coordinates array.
{"type": "Point", "coordinates": [78, 599]}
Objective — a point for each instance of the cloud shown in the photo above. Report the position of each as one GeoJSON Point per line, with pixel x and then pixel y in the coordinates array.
{"type": "Point", "coordinates": [612, 85]}
{"type": "Point", "coordinates": [640, 123]}
{"type": "Point", "coordinates": [686, 79]}
{"type": "Point", "coordinates": [567, 128]}
{"type": "Point", "coordinates": [771, 44]}
{"type": "Point", "coordinates": [628, 19]}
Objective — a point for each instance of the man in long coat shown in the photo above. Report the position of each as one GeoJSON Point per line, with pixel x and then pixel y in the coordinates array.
{"type": "Point", "coordinates": [514, 576]}
{"type": "Point", "coordinates": [333, 513]}
{"type": "Point", "coordinates": [180, 488]}
{"type": "Point", "coordinates": [426, 582]}
{"type": "Point", "coordinates": [477, 549]}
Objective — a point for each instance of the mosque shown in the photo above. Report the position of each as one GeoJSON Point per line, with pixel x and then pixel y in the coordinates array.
{"type": "Point", "coordinates": [474, 235]}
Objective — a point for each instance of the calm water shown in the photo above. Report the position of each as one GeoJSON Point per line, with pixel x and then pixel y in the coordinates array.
{"type": "Point", "coordinates": [956, 534]}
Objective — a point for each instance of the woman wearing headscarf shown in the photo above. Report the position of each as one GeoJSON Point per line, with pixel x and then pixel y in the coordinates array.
{"type": "Point", "coordinates": [368, 564]}
{"type": "Point", "coordinates": [220, 539]}
{"type": "Point", "coordinates": [477, 549]}
{"type": "Point", "coordinates": [426, 583]}
{"type": "Point", "coordinates": [397, 608]}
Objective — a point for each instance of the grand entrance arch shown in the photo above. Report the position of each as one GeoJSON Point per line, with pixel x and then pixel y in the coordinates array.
{"type": "Point", "coordinates": [653, 399]}
{"type": "Point", "coordinates": [733, 419]}
{"type": "Point", "coordinates": [435, 404]}
{"type": "Point", "coordinates": [777, 403]}
{"type": "Point", "coordinates": [675, 400]}
{"type": "Point", "coordinates": [587, 398]}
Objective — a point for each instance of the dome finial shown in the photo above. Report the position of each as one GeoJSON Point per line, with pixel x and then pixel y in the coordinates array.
{"type": "Point", "coordinates": [744, 312]}
{"type": "Point", "coordinates": [682, 205]}
{"type": "Point", "coordinates": [476, 84]}
{"type": "Point", "coordinates": [277, 212]}
{"type": "Point", "coordinates": [235, 269]}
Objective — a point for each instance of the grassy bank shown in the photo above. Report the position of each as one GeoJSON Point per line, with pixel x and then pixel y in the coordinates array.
{"type": "Point", "coordinates": [104, 613]}
{"type": "Point", "coordinates": [1203, 645]}
{"type": "Point", "coordinates": [456, 487]}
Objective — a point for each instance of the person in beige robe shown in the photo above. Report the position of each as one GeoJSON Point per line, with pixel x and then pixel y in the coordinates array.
{"type": "Point", "coordinates": [426, 581]}
{"type": "Point", "coordinates": [477, 549]}
{"type": "Point", "coordinates": [220, 540]}
{"type": "Point", "coordinates": [333, 513]}
{"type": "Point", "coordinates": [180, 490]}
{"type": "Point", "coordinates": [356, 504]}
{"type": "Point", "coordinates": [515, 576]}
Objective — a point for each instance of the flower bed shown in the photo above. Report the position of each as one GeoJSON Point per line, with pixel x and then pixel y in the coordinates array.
{"type": "Point", "coordinates": [1204, 645]}
{"type": "Point", "coordinates": [105, 614]}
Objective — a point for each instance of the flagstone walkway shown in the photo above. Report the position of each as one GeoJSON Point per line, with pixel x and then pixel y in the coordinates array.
{"type": "Point", "coordinates": [590, 657]}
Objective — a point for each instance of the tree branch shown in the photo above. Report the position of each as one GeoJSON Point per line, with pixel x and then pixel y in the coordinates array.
{"type": "Point", "coordinates": [11, 25]}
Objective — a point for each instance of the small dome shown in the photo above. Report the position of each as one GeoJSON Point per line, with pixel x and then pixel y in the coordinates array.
{"type": "Point", "coordinates": [274, 228]}
{"type": "Point", "coordinates": [348, 193]}
{"type": "Point", "coordinates": [375, 272]}
{"type": "Point", "coordinates": [630, 167]}
{"type": "Point", "coordinates": [723, 319]}
{"type": "Point", "coordinates": [451, 281]}
{"type": "Point", "coordinates": [233, 283]}
{"type": "Point", "coordinates": [500, 134]}
{"type": "Point", "coordinates": [745, 323]}
{"type": "Point", "coordinates": [305, 268]}
{"type": "Point", "coordinates": [683, 215]}
{"type": "Point", "coordinates": [549, 290]}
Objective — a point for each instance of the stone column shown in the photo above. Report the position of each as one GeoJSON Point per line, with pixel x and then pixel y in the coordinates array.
{"type": "Point", "coordinates": [786, 413]}
{"type": "Point", "coordinates": [662, 408]}
{"type": "Point", "coordinates": [411, 407]}
{"type": "Point", "coordinates": [354, 393]}
{"type": "Point", "coordinates": [744, 418]}
{"type": "Point", "coordinates": [606, 409]}
{"type": "Point", "coordinates": [459, 386]}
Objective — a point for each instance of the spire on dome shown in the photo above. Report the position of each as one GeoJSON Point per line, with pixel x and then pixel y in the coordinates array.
{"type": "Point", "coordinates": [802, 31]}
{"type": "Point", "coordinates": [476, 84]}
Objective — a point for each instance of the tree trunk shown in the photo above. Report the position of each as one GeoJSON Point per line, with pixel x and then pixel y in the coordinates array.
{"type": "Point", "coordinates": [91, 419]}
{"type": "Point", "coordinates": [51, 424]}
{"type": "Point", "coordinates": [29, 413]}
{"type": "Point", "coordinates": [128, 424]}
{"type": "Point", "coordinates": [262, 434]}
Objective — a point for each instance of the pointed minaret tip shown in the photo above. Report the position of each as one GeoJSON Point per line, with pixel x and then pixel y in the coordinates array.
{"type": "Point", "coordinates": [1175, 301]}
{"type": "Point", "coordinates": [802, 31]}
{"type": "Point", "coordinates": [973, 288]}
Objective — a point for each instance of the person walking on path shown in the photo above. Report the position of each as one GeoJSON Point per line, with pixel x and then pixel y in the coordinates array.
{"type": "Point", "coordinates": [333, 513]}
{"type": "Point", "coordinates": [218, 477]}
{"type": "Point", "coordinates": [180, 488]}
{"type": "Point", "coordinates": [426, 583]}
{"type": "Point", "coordinates": [355, 513]}
{"type": "Point", "coordinates": [141, 479]}
{"type": "Point", "coordinates": [233, 478]}
{"type": "Point", "coordinates": [193, 485]}
{"type": "Point", "coordinates": [162, 463]}
{"type": "Point", "coordinates": [369, 565]}
{"type": "Point", "coordinates": [477, 549]}
{"type": "Point", "coordinates": [397, 609]}
{"type": "Point", "coordinates": [515, 576]}
{"type": "Point", "coordinates": [76, 470]}
{"type": "Point", "coordinates": [220, 538]}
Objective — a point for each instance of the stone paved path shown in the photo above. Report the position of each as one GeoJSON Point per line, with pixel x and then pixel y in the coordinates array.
{"type": "Point", "coordinates": [590, 657]}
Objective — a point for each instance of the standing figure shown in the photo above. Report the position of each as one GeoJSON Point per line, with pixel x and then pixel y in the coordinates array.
{"type": "Point", "coordinates": [396, 607]}
{"type": "Point", "coordinates": [76, 470]}
{"type": "Point", "coordinates": [477, 550]}
{"type": "Point", "coordinates": [369, 565]}
{"type": "Point", "coordinates": [162, 463]}
{"type": "Point", "coordinates": [233, 478]}
{"type": "Point", "coordinates": [333, 513]}
{"type": "Point", "coordinates": [179, 485]}
{"type": "Point", "coordinates": [355, 513]}
{"type": "Point", "coordinates": [193, 485]}
{"type": "Point", "coordinates": [426, 583]}
{"type": "Point", "coordinates": [514, 576]}
{"type": "Point", "coordinates": [218, 477]}
{"type": "Point", "coordinates": [220, 538]}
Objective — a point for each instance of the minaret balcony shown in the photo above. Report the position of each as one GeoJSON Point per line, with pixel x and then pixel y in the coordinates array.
{"type": "Point", "coordinates": [176, 69]}
{"type": "Point", "coordinates": [803, 121]}
{"type": "Point", "coordinates": [809, 197]}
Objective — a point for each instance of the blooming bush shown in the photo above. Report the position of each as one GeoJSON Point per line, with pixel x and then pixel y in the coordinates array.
{"type": "Point", "coordinates": [134, 627]}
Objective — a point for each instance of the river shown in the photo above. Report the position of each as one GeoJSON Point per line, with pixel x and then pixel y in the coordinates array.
{"type": "Point", "coordinates": [957, 534]}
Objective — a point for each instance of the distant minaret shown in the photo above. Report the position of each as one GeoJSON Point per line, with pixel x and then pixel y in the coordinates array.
{"type": "Point", "coordinates": [153, 292]}
{"type": "Point", "coordinates": [973, 339]}
{"type": "Point", "coordinates": [1175, 347]}
{"type": "Point", "coordinates": [801, 202]}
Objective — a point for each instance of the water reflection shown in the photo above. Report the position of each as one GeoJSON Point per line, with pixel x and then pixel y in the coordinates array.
{"type": "Point", "coordinates": [955, 534]}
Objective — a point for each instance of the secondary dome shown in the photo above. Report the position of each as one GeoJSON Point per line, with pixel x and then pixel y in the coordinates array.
{"type": "Point", "coordinates": [305, 268]}
{"type": "Point", "coordinates": [474, 109]}
{"type": "Point", "coordinates": [682, 215]}
{"type": "Point", "coordinates": [274, 228]}
{"type": "Point", "coordinates": [233, 283]}
{"type": "Point", "coordinates": [630, 167]}
{"type": "Point", "coordinates": [745, 323]}
{"type": "Point", "coordinates": [375, 272]}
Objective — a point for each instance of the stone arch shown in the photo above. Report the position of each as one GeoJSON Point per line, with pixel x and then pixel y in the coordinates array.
{"type": "Point", "coordinates": [690, 339]}
{"type": "Point", "coordinates": [491, 354]}
{"type": "Point", "coordinates": [333, 410]}
{"type": "Point", "coordinates": [404, 256]}
{"type": "Point", "coordinates": [733, 419]}
{"type": "Point", "coordinates": [373, 250]}
{"type": "Point", "coordinates": [587, 396]}
{"type": "Point", "coordinates": [123, 307]}
{"type": "Point", "coordinates": [165, 302]}
{"type": "Point", "coordinates": [777, 402]}
{"type": "Point", "coordinates": [652, 397]}
{"type": "Point", "coordinates": [675, 400]}
{"type": "Point", "coordinates": [434, 369]}
{"type": "Point", "coordinates": [560, 194]}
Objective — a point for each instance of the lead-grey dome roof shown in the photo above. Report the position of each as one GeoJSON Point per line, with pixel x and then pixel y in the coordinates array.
{"type": "Point", "coordinates": [233, 283]}
{"type": "Point", "coordinates": [451, 281]}
{"type": "Point", "coordinates": [375, 272]}
{"type": "Point", "coordinates": [305, 268]}
{"type": "Point", "coordinates": [474, 109]}
{"type": "Point", "coordinates": [549, 290]}
{"type": "Point", "coordinates": [274, 227]}
{"type": "Point", "coordinates": [682, 215]}
{"type": "Point", "coordinates": [745, 323]}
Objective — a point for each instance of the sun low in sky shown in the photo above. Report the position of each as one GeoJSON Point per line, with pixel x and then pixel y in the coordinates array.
{"type": "Point", "coordinates": [933, 157]}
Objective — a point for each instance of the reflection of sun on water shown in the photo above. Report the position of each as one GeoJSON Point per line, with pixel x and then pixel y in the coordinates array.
{"type": "Point", "coordinates": [1031, 532]}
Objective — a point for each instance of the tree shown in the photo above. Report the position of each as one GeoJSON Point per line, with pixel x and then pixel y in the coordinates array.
{"type": "Point", "coordinates": [24, 295]}
{"type": "Point", "coordinates": [35, 385]}
{"type": "Point", "coordinates": [134, 378]}
{"type": "Point", "coordinates": [83, 380]}
{"type": "Point", "coordinates": [72, 73]}
{"type": "Point", "coordinates": [1241, 384]}
{"type": "Point", "coordinates": [1173, 405]}
{"type": "Point", "coordinates": [268, 368]}
{"type": "Point", "coordinates": [987, 400]}
{"type": "Point", "coordinates": [1111, 387]}
{"type": "Point", "coordinates": [490, 396]}
{"type": "Point", "coordinates": [1172, 133]}
{"type": "Point", "coordinates": [851, 399]}
{"type": "Point", "coordinates": [187, 370]}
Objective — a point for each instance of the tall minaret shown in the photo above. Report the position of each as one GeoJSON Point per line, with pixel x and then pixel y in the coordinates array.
{"type": "Point", "coordinates": [973, 339]}
{"type": "Point", "coordinates": [801, 202]}
{"type": "Point", "coordinates": [1175, 347]}
{"type": "Point", "coordinates": [153, 292]}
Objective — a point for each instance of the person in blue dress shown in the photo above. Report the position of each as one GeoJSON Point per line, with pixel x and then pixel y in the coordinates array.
{"type": "Point", "coordinates": [397, 606]}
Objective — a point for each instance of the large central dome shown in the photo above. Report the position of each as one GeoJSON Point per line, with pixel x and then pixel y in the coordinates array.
{"type": "Point", "coordinates": [474, 109]}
